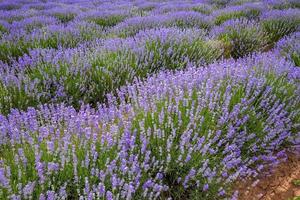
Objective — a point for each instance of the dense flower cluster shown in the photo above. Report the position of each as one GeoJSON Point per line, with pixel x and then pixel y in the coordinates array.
{"type": "Point", "coordinates": [145, 99]}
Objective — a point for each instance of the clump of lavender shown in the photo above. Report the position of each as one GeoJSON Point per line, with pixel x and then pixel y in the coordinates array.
{"type": "Point", "coordinates": [172, 48]}
{"type": "Point", "coordinates": [241, 37]}
{"type": "Point", "coordinates": [181, 135]}
{"type": "Point", "coordinates": [279, 23]}
{"type": "Point", "coordinates": [289, 47]}
{"type": "Point", "coordinates": [248, 10]}
{"type": "Point", "coordinates": [4, 27]}
{"type": "Point", "coordinates": [64, 14]}
{"type": "Point", "coordinates": [8, 6]}
{"type": "Point", "coordinates": [105, 19]}
{"type": "Point", "coordinates": [203, 8]}
{"type": "Point", "coordinates": [294, 4]}
{"type": "Point", "coordinates": [219, 3]}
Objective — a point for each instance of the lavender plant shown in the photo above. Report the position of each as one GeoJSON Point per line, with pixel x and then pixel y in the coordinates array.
{"type": "Point", "coordinates": [247, 10]}
{"type": "Point", "coordinates": [4, 26]}
{"type": "Point", "coordinates": [9, 6]}
{"type": "Point", "coordinates": [289, 47]}
{"type": "Point", "coordinates": [64, 15]}
{"type": "Point", "coordinates": [279, 23]}
{"type": "Point", "coordinates": [241, 37]}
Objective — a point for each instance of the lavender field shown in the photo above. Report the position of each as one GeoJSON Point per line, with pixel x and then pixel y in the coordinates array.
{"type": "Point", "coordinates": [146, 99]}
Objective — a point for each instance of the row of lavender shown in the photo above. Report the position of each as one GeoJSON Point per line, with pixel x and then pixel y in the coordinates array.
{"type": "Point", "coordinates": [184, 135]}
{"type": "Point", "coordinates": [188, 134]}
{"type": "Point", "coordinates": [78, 52]}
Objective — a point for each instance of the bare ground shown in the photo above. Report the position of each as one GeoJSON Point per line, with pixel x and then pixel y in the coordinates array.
{"type": "Point", "coordinates": [278, 185]}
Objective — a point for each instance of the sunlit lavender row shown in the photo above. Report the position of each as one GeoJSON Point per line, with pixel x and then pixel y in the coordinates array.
{"type": "Point", "coordinates": [145, 99]}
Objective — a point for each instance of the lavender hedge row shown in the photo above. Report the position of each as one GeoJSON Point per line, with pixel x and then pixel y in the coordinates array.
{"type": "Point", "coordinates": [183, 135]}
{"type": "Point", "coordinates": [85, 74]}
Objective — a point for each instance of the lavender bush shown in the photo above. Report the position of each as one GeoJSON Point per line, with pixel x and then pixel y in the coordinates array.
{"type": "Point", "coordinates": [289, 47]}
{"type": "Point", "coordinates": [279, 23]}
{"type": "Point", "coordinates": [247, 10]}
{"type": "Point", "coordinates": [241, 37]}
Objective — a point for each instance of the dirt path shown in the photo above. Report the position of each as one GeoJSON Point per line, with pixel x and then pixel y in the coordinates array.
{"type": "Point", "coordinates": [278, 185]}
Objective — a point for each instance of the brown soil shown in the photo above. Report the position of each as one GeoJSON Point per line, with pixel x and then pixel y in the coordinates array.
{"type": "Point", "coordinates": [278, 185]}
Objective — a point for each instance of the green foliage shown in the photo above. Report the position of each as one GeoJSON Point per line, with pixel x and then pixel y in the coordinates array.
{"type": "Point", "coordinates": [286, 5]}
{"type": "Point", "coordinates": [243, 41]}
{"type": "Point", "coordinates": [12, 50]}
{"type": "Point", "coordinates": [227, 16]}
{"type": "Point", "coordinates": [15, 18]}
{"type": "Point", "coordinates": [250, 14]}
{"type": "Point", "coordinates": [65, 17]}
{"type": "Point", "coordinates": [296, 58]}
{"type": "Point", "coordinates": [2, 29]}
{"type": "Point", "coordinates": [56, 39]}
{"type": "Point", "coordinates": [277, 29]}
{"type": "Point", "coordinates": [294, 4]}
{"type": "Point", "coordinates": [15, 49]}
{"type": "Point", "coordinates": [220, 3]}
{"type": "Point", "coordinates": [177, 55]}
{"type": "Point", "coordinates": [109, 71]}
{"type": "Point", "coordinates": [14, 97]}
{"type": "Point", "coordinates": [202, 9]}
{"type": "Point", "coordinates": [108, 21]}
{"type": "Point", "coordinates": [296, 182]}
{"type": "Point", "coordinates": [147, 8]}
